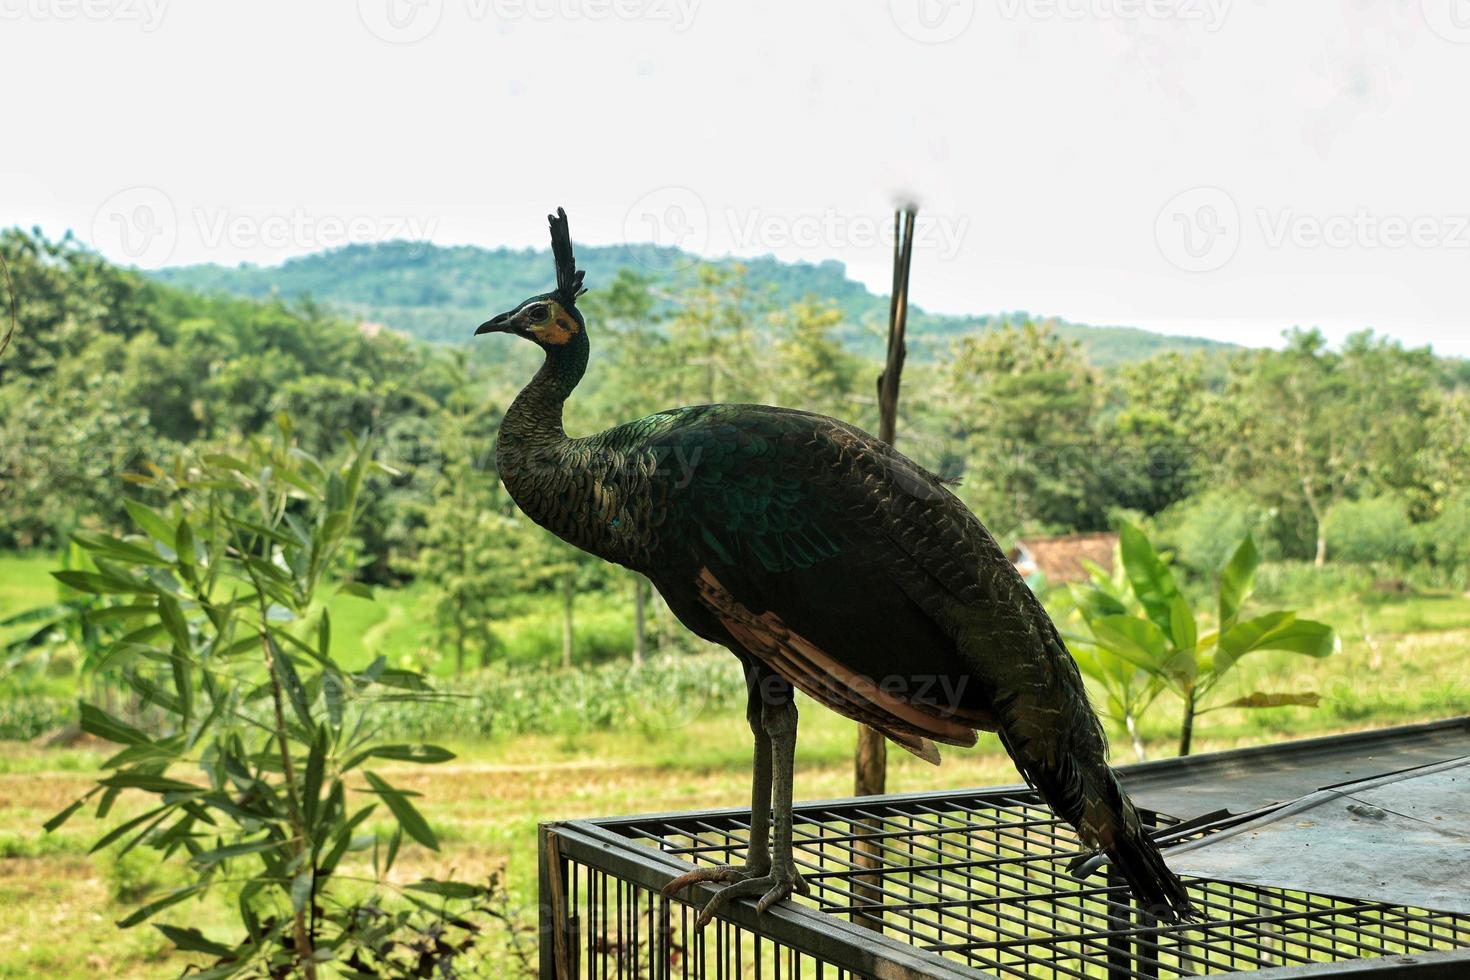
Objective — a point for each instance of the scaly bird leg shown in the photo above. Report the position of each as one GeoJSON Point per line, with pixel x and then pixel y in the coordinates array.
{"type": "Point", "coordinates": [779, 723]}
{"type": "Point", "coordinates": [758, 853]}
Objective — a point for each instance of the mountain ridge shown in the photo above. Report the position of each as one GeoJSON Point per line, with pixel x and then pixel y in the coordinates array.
{"type": "Point", "coordinates": [438, 292]}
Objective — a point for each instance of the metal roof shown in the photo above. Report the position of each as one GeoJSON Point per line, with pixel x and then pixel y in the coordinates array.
{"type": "Point", "coordinates": [1245, 780]}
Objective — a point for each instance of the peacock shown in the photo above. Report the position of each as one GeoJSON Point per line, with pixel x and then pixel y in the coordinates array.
{"type": "Point", "coordinates": [827, 562]}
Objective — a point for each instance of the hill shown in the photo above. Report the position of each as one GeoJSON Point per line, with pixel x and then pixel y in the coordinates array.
{"type": "Point", "coordinates": [439, 293]}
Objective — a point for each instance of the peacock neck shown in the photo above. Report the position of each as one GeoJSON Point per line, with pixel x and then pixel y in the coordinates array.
{"type": "Point", "coordinates": [534, 419]}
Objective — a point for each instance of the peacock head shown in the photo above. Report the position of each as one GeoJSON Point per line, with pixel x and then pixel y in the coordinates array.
{"type": "Point", "coordinates": [550, 319]}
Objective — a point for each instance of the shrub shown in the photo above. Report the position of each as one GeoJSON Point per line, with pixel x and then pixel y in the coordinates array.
{"type": "Point", "coordinates": [1205, 530]}
{"type": "Point", "coordinates": [1369, 530]}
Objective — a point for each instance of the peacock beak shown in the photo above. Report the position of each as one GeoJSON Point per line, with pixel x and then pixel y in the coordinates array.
{"type": "Point", "coordinates": [499, 324]}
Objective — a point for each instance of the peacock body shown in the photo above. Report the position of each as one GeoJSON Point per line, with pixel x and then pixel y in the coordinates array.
{"type": "Point", "coordinates": [827, 562]}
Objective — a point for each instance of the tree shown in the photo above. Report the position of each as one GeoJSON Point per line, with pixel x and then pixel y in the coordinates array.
{"type": "Point", "coordinates": [1026, 403]}
{"type": "Point", "coordinates": [1280, 433]}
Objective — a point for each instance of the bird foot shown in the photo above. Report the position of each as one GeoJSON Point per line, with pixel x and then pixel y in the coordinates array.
{"type": "Point", "coordinates": [740, 883]}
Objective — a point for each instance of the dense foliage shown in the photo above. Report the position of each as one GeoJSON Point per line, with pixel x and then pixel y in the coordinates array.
{"type": "Point", "coordinates": [218, 626]}
{"type": "Point", "coordinates": [1319, 453]}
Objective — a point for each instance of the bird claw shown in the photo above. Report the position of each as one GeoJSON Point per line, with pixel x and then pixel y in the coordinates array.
{"type": "Point", "coordinates": [723, 874]}
{"type": "Point", "coordinates": [740, 883]}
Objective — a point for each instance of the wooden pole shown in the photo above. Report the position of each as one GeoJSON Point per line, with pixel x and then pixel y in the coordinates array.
{"type": "Point", "coordinates": [870, 769]}
{"type": "Point", "coordinates": [870, 763]}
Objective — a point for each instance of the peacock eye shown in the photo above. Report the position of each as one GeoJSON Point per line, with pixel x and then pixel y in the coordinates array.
{"type": "Point", "coordinates": [537, 314]}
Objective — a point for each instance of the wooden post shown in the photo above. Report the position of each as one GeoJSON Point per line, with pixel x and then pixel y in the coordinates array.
{"type": "Point", "coordinates": [870, 764]}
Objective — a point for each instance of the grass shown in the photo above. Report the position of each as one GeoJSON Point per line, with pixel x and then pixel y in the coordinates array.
{"type": "Point", "coordinates": [1402, 659]}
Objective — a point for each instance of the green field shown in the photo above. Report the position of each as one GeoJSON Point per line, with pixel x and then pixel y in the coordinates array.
{"type": "Point", "coordinates": [1403, 658]}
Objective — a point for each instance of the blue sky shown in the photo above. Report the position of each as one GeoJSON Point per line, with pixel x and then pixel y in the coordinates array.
{"type": "Point", "coordinates": [1214, 167]}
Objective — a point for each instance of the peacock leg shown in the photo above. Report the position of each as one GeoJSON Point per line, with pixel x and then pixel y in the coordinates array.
{"type": "Point", "coordinates": [778, 720]}
{"type": "Point", "coordinates": [758, 853]}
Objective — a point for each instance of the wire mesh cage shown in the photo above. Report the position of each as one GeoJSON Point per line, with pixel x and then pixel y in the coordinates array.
{"type": "Point", "coordinates": [945, 884]}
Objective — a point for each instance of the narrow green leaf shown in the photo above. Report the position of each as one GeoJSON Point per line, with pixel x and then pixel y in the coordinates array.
{"type": "Point", "coordinates": [356, 588]}
{"type": "Point", "coordinates": [407, 814]}
{"type": "Point", "coordinates": [191, 940]}
{"type": "Point", "coordinates": [150, 782]}
{"type": "Point", "coordinates": [446, 889]}
{"type": "Point", "coordinates": [424, 754]}
{"type": "Point", "coordinates": [150, 521]}
{"type": "Point", "coordinates": [153, 908]}
{"type": "Point", "coordinates": [95, 721]}
{"type": "Point", "coordinates": [65, 814]}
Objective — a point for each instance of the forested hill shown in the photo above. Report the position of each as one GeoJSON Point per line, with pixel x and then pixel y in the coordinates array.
{"type": "Point", "coordinates": [440, 293]}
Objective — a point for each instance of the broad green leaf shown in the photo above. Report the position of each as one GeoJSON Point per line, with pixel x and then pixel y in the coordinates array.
{"type": "Point", "coordinates": [1237, 579]}
{"type": "Point", "coordinates": [1150, 578]}
{"type": "Point", "coordinates": [1183, 628]}
{"type": "Point", "coordinates": [408, 816]}
{"type": "Point", "coordinates": [1133, 638]}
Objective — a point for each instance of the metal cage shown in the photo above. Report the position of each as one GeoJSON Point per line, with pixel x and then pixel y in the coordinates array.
{"type": "Point", "coordinates": [977, 883]}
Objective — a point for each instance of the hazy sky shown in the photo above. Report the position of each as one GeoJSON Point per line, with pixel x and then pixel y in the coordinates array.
{"type": "Point", "coordinates": [1222, 167]}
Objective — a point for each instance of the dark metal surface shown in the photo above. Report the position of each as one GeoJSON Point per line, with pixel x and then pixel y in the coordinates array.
{"type": "Point", "coordinates": [975, 883]}
{"type": "Point", "coordinates": [1403, 839]}
{"type": "Point", "coordinates": [1248, 779]}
